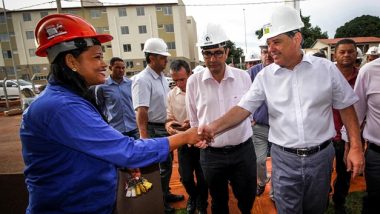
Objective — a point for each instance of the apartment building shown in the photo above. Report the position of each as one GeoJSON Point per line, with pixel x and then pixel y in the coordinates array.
{"type": "Point", "coordinates": [130, 25]}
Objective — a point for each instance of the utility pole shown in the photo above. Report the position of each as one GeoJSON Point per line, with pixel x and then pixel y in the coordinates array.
{"type": "Point", "coordinates": [59, 7]}
{"type": "Point", "coordinates": [12, 55]}
{"type": "Point", "coordinates": [245, 33]}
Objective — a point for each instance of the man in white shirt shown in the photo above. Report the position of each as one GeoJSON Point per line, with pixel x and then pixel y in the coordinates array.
{"type": "Point", "coordinates": [149, 95]}
{"type": "Point", "coordinates": [188, 156]}
{"type": "Point", "coordinates": [299, 91]}
{"type": "Point", "coordinates": [231, 158]}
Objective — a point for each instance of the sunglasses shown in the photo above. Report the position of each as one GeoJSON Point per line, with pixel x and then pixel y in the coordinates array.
{"type": "Point", "coordinates": [209, 54]}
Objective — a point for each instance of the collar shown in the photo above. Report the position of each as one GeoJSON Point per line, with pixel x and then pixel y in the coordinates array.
{"type": "Point", "coordinates": [110, 81]}
{"type": "Point", "coordinates": [153, 73]}
{"type": "Point", "coordinates": [305, 58]}
{"type": "Point", "coordinates": [228, 73]}
{"type": "Point", "coordinates": [177, 90]}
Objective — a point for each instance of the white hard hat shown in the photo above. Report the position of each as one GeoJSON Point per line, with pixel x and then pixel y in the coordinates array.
{"type": "Point", "coordinates": [212, 35]}
{"type": "Point", "coordinates": [360, 53]}
{"type": "Point", "coordinates": [373, 51]}
{"type": "Point", "coordinates": [198, 69]}
{"type": "Point", "coordinates": [252, 57]}
{"type": "Point", "coordinates": [156, 46]}
{"type": "Point", "coordinates": [284, 19]}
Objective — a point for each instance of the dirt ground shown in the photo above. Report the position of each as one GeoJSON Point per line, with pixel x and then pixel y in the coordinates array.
{"type": "Point", "coordinates": [11, 162]}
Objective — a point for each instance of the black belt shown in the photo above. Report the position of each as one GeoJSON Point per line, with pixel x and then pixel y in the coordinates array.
{"type": "Point", "coordinates": [156, 124]}
{"type": "Point", "coordinates": [228, 149]}
{"type": "Point", "coordinates": [306, 151]}
{"type": "Point", "coordinates": [374, 147]}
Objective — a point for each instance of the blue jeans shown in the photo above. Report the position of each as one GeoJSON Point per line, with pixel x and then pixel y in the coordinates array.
{"type": "Point", "coordinates": [237, 167]}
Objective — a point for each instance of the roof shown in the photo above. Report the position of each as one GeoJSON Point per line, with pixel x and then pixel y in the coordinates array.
{"type": "Point", "coordinates": [91, 3]}
{"type": "Point", "coordinates": [356, 39]}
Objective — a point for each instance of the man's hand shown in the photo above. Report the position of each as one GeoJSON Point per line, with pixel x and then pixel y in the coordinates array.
{"type": "Point", "coordinates": [171, 127]}
{"type": "Point", "coordinates": [355, 161]}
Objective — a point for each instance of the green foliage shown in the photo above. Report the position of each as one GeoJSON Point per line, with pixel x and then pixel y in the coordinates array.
{"type": "Point", "coordinates": [310, 34]}
{"type": "Point", "coordinates": [235, 53]}
{"type": "Point", "coordinates": [365, 25]}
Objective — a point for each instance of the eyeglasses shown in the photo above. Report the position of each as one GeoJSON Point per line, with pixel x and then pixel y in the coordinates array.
{"type": "Point", "coordinates": [209, 54]}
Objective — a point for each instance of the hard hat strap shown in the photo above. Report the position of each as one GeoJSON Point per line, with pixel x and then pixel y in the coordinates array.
{"type": "Point", "coordinates": [70, 45]}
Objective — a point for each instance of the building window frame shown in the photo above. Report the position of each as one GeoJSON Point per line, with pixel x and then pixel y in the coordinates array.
{"type": "Point", "coordinates": [127, 47]}
{"type": "Point", "coordinates": [140, 11]}
{"type": "Point", "coordinates": [142, 29]}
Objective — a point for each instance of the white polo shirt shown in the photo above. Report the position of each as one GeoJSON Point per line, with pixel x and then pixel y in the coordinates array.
{"type": "Point", "coordinates": [207, 100]}
{"type": "Point", "coordinates": [300, 101]}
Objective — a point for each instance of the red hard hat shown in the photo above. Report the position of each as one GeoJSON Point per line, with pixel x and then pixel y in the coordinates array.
{"type": "Point", "coordinates": [57, 28]}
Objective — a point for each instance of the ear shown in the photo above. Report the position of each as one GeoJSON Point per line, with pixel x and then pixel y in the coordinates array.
{"type": "Point", "coordinates": [71, 62]}
{"type": "Point", "coordinates": [298, 38]}
{"type": "Point", "coordinates": [227, 51]}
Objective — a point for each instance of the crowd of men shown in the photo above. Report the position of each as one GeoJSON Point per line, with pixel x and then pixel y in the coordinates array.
{"type": "Point", "coordinates": [289, 104]}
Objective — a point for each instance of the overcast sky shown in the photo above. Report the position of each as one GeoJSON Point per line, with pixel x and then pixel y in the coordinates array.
{"type": "Point", "coordinates": [327, 14]}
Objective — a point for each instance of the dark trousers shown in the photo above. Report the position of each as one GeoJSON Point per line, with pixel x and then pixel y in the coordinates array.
{"type": "Point", "coordinates": [188, 159]}
{"type": "Point", "coordinates": [237, 167]}
{"type": "Point", "coordinates": [372, 178]}
{"type": "Point", "coordinates": [134, 134]}
{"type": "Point", "coordinates": [342, 181]}
{"type": "Point", "coordinates": [165, 166]}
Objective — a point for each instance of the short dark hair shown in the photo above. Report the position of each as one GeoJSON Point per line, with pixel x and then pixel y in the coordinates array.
{"type": "Point", "coordinates": [115, 59]}
{"type": "Point", "coordinates": [177, 64]}
{"type": "Point", "coordinates": [345, 41]}
{"type": "Point", "coordinates": [320, 54]}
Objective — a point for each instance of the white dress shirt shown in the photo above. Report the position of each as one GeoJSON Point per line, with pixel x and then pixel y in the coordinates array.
{"type": "Point", "coordinates": [367, 87]}
{"type": "Point", "coordinates": [176, 105]}
{"type": "Point", "coordinates": [150, 90]}
{"type": "Point", "coordinates": [300, 101]}
{"type": "Point", "coordinates": [207, 100]}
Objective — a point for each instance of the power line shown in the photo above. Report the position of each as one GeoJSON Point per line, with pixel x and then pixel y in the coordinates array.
{"type": "Point", "coordinates": [184, 5]}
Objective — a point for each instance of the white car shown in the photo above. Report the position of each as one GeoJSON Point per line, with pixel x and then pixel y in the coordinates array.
{"type": "Point", "coordinates": [12, 88]}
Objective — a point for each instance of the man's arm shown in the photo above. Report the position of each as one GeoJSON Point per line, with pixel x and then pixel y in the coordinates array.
{"type": "Point", "coordinates": [355, 159]}
{"type": "Point", "coordinates": [230, 119]}
{"type": "Point", "coordinates": [142, 121]}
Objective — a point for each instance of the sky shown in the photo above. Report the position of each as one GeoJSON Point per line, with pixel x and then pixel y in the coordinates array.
{"type": "Point", "coordinates": [241, 18]}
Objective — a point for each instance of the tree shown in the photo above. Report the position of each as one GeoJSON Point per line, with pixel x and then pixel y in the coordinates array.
{"type": "Point", "coordinates": [235, 53]}
{"type": "Point", "coordinates": [309, 33]}
{"type": "Point", "coordinates": [365, 25]}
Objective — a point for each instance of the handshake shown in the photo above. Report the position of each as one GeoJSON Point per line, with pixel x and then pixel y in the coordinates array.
{"type": "Point", "coordinates": [200, 137]}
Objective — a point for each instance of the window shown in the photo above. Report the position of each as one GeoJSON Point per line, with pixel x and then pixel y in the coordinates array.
{"type": "Point", "coordinates": [142, 46]}
{"type": "Point", "coordinates": [95, 14]}
{"type": "Point", "coordinates": [140, 11]}
{"type": "Point", "coordinates": [109, 46]}
{"type": "Point", "coordinates": [159, 26]}
{"type": "Point", "coordinates": [4, 37]}
{"type": "Point", "coordinates": [35, 69]}
{"type": "Point", "coordinates": [169, 28]}
{"type": "Point", "coordinates": [43, 13]}
{"type": "Point", "coordinates": [29, 34]}
{"type": "Point", "coordinates": [124, 30]}
{"type": "Point", "coordinates": [158, 8]}
{"type": "Point", "coordinates": [32, 52]}
{"type": "Point", "coordinates": [7, 54]}
{"type": "Point", "coordinates": [122, 11]}
{"type": "Point", "coordinates": [129, 64]}
{"type": "Point", "coordinates": [171, 45]}
{"type": "Point", "coordinates": [167, 10]}
{"type": "Point", "coordinates": [127, 48]}
{"type": "Point", "coordinates": [101, 29]}
{"type": "Point", "coordinates": [72, 12]}
{"type": "Point", "coordinates": [27, 17]}
{"type": "Point", "coordinates": [188, 21]}
{"type": "Point", "coordinates": [142, 29]}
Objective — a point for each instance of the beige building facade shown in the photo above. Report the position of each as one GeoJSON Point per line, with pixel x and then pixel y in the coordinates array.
{"type": "Point", "coordinates": [130, 25]}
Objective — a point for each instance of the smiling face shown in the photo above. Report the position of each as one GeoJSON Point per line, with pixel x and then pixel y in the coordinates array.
{"type": "Point", "coordinates": [90, 65]}
{"type": "Point", "coordinates": [285, 50]}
